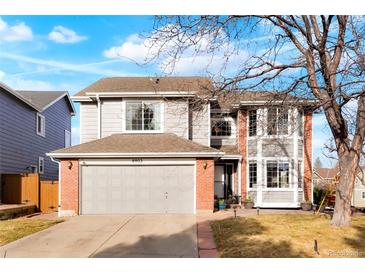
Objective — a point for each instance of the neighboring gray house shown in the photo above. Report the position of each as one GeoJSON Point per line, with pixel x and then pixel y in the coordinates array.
{"type": "Point", "coordinates": [33, 123]}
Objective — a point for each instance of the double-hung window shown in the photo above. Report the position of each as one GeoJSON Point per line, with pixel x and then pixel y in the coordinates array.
{"type": "Point", "coordinates": [252, 173]}
{"type": "Point", "coordinates": [277, 174]}
{"type": "Point", "coordinates": [277, 121]}
{"type": "Point", "coordinates": [300, 175]}
{"type": "Point", "coordinates": [252, 123]}
{"type": "Point", "coordinates": [221, 127]}
{"type": "Point", "coordinates": [41, 125]}
{"type": "Point", "coordinates": [143, 116]}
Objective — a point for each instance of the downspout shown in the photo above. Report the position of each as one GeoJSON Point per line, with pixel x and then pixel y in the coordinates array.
{"type": "Point", "coordinates": [59, 185]}
{"type": "Point", "coordinates": [99, 115]}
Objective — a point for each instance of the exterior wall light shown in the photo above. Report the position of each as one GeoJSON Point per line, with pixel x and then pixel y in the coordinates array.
{"type": "Point", "coordinates": [69, 165]}
{"type": "Point", "coordinates": [205, 165]}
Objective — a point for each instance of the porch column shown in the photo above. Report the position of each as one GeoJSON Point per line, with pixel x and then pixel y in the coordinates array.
{"type": "Point", "coordinates": [242, 147]}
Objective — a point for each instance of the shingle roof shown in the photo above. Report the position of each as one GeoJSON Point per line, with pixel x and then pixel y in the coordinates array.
{"type": "Point", "coordinates": [228, 149]}
{"type": "Point", "coordinates": [327, 173]}
{"type": "Point", "coordinates": [41, 99]}
{"type": "Point", "coordinates": [140, 84]}
{"type": "Point", "coordinates": [138, 143]}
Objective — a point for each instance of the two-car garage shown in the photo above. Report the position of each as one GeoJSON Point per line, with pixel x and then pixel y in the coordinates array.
{"type": "Point", "coordinates": [136, 174]}
{"type": "Point", "coordinates": [115, 189]}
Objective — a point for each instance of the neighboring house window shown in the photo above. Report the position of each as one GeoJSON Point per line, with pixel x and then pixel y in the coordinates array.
{"type": "Point", "coordinates": [300, 175]}
{"type": "Point", "coordinates": [41, 165]}
{"type": "Point", "coordinates": [252, 171]}
{"type": "Point", "coordinates": [252, 123]}
{"type": "Point", "coordinates": [41, 125]}
{"type": "Point", "coordinates": [221, 127]}
{"type": "Point", "coordinates": [67, 138]}
{"type": "Point", "coordinates": [143, 116]}
{"type": "Point", "coordinates": [277, 121]}
{"type": "Point", "coordinates": [363, 195]}
{"type": "Point", "coordinates": [277, 174]}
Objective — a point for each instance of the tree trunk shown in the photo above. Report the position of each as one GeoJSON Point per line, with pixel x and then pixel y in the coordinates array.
{"type": "Point", "coordinates": [348, 166]}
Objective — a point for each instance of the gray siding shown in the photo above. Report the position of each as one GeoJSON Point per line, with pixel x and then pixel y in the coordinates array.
{"type": "Point", "coordinates": [252, 148]}
{"type": "Point", "coordinates": [277, 148]}
{"type": "Point", "coordinates": [88, 122]}
{"type": "Point", "coordinates": [20, 146]}
{"type": "Point", "coordinates": [277, 196]}
{"type": "Point", "coordinates": [200, 125]}
{"type": "Point", "coordinates": [111, 118]}
{"type": "Point", "coordinates": [357, 199]}
{"type": "Point", "coordinates": [177, 118]}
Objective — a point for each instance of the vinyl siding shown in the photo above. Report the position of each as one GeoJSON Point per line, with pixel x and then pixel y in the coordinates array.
{"type": "Point", "coordinates": [20, 146]}
{"type": "Point", "coordinates": [176, 117]}
{"type": "Point", "coordinates": [111, 117]}
{"type": "Point", "coordinates": [358, 201]}
{"type": "Point", "coordinates": [200, 125]}
{"type": "Point", "coordinates": [88, 122]}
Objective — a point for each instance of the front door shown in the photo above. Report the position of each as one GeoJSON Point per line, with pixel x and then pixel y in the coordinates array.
{"type": "Point", "coordinates": [219, 181]}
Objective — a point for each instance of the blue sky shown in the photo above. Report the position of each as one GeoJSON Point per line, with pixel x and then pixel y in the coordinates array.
{"type": "Point", "coordinates": [71, 52]}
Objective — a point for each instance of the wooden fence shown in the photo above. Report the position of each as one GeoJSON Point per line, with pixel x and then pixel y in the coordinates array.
{"type": "Point", "coordinates": [27, 188]}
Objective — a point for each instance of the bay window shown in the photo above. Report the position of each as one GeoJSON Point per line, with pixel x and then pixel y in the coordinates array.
{"type": "Point", "coordinates": [143, 116]}
{"type": "Point", "coordinates": [252, 123]}
{"type": "Point", "coordinates": [277, 121]}
{"type": "Point", "coordinates": [252, 173]}
{"type": "Point", "coordinates": [277, 174]}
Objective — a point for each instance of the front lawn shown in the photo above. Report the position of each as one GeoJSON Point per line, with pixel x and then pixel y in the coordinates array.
{"type": "Point", "coordinates": [281, 236]}
{"type": "Point", "coordinates": [11, 230]}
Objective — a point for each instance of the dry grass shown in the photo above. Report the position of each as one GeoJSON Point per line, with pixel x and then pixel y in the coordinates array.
{"type": "Point", "coordinates": [11, 230]}
{"type": "Point", "coordinates": [283, 236]}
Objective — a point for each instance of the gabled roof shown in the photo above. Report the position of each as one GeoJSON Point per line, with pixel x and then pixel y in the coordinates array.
{"type": "Point", "coordinates": [144, 84]}
{"type": "Point", "coordinates": [138, 145]}
{"type": "Point", "coordinates": [39, 100]}
{"type": "Point", "coordinates": [326, 173]}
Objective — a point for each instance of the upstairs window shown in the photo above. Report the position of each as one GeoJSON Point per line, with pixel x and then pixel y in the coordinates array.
{"type": "Point", "coordinates": [277, 174]}
{"type": "Point", "coordinates": [277, 121]}
{"type": "Point", "coordinates": [143, 116]}
{"type": "Point", "coordinates": [252, 123]}
{"type": "Point", "coordinates": [41, 125]}
{"type": "Point", "coordinates": [221, 128]}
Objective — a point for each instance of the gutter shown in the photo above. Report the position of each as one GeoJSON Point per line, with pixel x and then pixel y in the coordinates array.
{"type": "Point", "coordinates": [59, 185]}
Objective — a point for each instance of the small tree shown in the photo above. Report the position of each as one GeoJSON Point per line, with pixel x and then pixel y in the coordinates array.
{"type": "Point", "coordinates": [317, 163]}
{"type": "Point", "coordinates": [316, 57]}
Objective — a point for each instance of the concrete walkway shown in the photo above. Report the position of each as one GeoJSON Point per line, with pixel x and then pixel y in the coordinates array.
{"type": "Point", "coordinates": [150, 236]}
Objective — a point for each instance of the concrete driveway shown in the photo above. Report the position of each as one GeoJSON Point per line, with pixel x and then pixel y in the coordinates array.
{"type": "Point", "coordinates": [114, 236]}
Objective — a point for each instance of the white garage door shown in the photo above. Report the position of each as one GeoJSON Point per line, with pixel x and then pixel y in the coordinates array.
{"type": "Point", "coordinates": [137, 189]}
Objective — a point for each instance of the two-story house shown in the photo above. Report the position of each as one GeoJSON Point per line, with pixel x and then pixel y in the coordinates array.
{"type": "Point", "coordinates": [166, 145]}
{"type": "Point", "coordinates": [33, 123]}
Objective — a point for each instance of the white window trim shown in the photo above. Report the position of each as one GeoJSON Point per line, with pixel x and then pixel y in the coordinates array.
{"type": "Point", "coordinates": [277, 135]}
{"type": "Point", "coordinates": [248, 174]}
{"type": "Point", "coordinates": [43, 129]}
{"type": "Point", "coordinates": [227, 119]}
{"type": "Point", "coordinates": [162, 118]}
{"type": "Point", "coordinates": [277, 188]}
{"type": "Point", "coordinates": [40, 170]}
{"type": "Point", "coordinates": [69, 132]}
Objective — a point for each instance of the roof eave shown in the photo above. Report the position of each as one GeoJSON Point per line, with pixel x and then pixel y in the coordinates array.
{"type": "Point", "coordinates": [135, 155]}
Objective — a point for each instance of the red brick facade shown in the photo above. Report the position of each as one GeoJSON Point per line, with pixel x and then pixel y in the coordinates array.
{"type": "Point", "coordinates": [204, 184]}
{"type": "Point", "coordinates": [70, 187]}
{"type": "Point", "coordinates": [308, 156]}
{"type": "Point", "coordinates": [242, 147]}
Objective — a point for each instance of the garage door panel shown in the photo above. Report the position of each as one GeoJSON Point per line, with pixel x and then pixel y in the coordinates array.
{"type": "Point", "coordinates": [137, 189]}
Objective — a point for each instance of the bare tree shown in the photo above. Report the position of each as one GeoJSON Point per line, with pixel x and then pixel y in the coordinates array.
{"type": "Point", "coordinates": [315, 57]}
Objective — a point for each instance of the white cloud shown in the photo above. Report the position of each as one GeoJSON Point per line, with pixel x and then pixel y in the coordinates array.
{"type": "Point", "coordinates": [64, 35]}
{"type": "Point", "coordinates": [75, 136]}
{"type": "Point", "coordinates": [2, 75]}
{"type": "Point", "coordinates": [20, 83]}
{"type": "Point", "coordinates": [52, 66]}
{"type": "Point", "coordinates": [191, 61]}
{"type": "Point", "coordinates": [18, 32]}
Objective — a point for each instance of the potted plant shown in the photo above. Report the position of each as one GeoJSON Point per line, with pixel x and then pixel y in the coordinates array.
{"type": "Point", "coordinates": [306, 205]}
{"type": "Point", "coordinates": [221, 204]}
{"type": "Point", "coordinates": [248, 203]}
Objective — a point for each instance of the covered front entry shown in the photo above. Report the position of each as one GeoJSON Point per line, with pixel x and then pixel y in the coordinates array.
{"type": "Point", "coordinates": [224, 180]}
{"type": "Point", "coordinates": [114, 189]}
